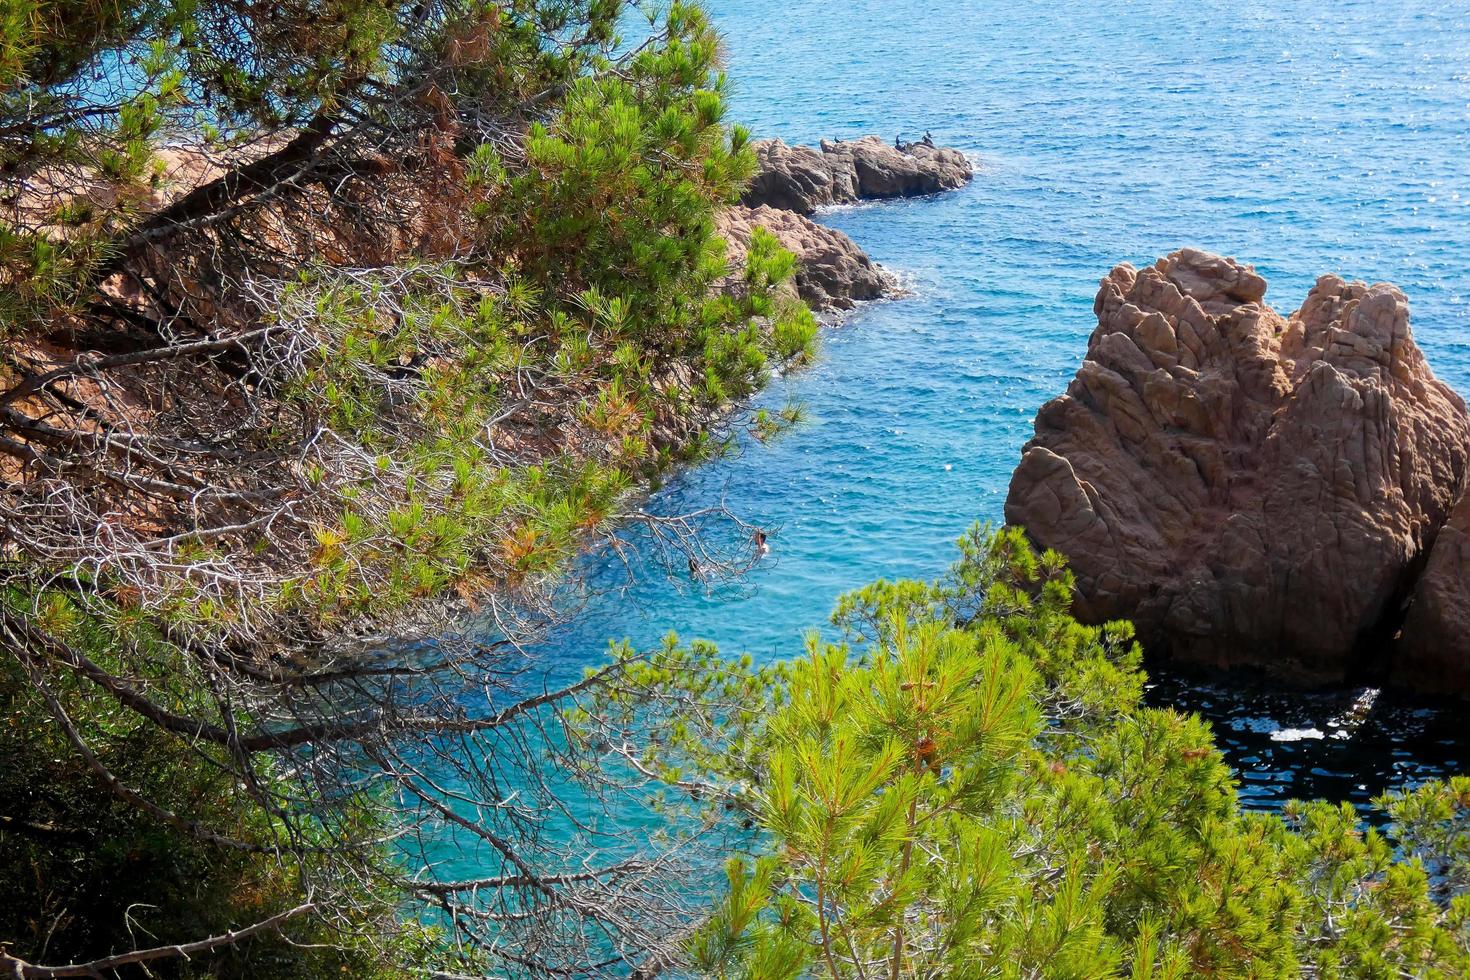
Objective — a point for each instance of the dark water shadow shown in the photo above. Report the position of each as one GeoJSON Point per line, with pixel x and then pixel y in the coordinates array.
{"type": "Point", "coordinates": [1340, 743]}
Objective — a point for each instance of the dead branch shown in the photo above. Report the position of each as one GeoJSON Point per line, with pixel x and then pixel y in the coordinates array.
{"type": "Point", "coordinates": [21, 970]}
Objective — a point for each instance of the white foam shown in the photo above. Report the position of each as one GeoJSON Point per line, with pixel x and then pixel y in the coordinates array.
{"type": "Point", "coordinates": [1296, 734]}
{"type": "Point", "coordinates": [863, 204]}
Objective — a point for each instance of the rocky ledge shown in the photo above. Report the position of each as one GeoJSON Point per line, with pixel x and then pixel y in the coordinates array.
{"type": "Point", "coordinates": [801, 179]}
{"type": "Point", "coordinates": [834, 273]}
{"type": "Point", "coordinates": [1253, 489]}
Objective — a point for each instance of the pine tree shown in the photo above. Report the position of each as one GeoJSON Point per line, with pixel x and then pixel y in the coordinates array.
{"type": "Point", "coordinates": [321, 320]}
{"type": "Point", "coordinates": [969, 786]}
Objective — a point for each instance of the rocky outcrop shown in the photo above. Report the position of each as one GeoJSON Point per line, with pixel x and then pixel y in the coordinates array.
{"type": "Point", "coordinates": [801, 179]}
{"type": "Point", "coordinates": [1247, 488]}
{"type": "Point", "coordinates": [1433, 653]}
{"type": "Point", "coordinates": [832, 272]}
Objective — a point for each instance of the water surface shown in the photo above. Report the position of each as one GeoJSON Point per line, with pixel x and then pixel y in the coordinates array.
{"type": "Point", "coordinates": [1303, 137]}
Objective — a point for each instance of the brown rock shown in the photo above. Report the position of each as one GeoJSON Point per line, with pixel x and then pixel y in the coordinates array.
{"type": "Point", "coordinates": [801, 179]}
{"type": "Point", "coordinates": [1247, 488]}
{"type": "Point", "coordinates": [1434, 650]}
{"type": "Point", "coordinates": [794, 178]}
{"type": "Point", "coordinates": [832, 272]}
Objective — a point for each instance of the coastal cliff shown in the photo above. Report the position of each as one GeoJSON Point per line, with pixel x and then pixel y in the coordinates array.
{"type": "Point", "coordinates": [307, 414]}
{"type": "Point", "coordinates": [1248, 488]}
{"type": "Point", "coordinates": [277, 411]}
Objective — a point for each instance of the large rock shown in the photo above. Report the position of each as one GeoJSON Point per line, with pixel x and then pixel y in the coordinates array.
{"type": "Point", "coordinates": [801, 179]}
{"type": "Point", "coordinates": [1247, 488]}
{"type": "Point", "coordinates": [1434, 651]}
{"type": "Point", "coordinates": [832, 272]}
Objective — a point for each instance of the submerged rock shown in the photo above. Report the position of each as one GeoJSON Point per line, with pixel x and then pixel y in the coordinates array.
{"type": "Point", "coordinates": [1249, 489]}
{"type": "Point", "coordinates": [832, 272]}
{"type": "Point", "coordinates": [802, 179]}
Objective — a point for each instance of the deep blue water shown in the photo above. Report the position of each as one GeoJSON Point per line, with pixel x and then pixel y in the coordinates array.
{"type": "Point", "coordinates": [1304, 137]}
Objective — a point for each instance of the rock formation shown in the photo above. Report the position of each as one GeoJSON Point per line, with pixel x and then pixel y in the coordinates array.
{"type": "Point", "coordinates": [801, 179]}
{"type": "Point", "coordinates": [1433, 653]}
{"type": "Point", "coordinates": [832, 272]}
{"type": "Point", "coordinates": [793, 181]}
{"type": "Point", "coordinates": [1247, 488]}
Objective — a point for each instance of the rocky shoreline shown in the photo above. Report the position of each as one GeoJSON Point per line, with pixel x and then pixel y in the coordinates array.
{"type": "Point", "coordinates": [802, 179]}
{"type": "Point", "coordinates": [834, 273]}
{"type": "Point", "coordinates": [1252, 489]}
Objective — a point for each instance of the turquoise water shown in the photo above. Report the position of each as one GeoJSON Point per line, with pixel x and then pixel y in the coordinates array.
{"type": "Point", "coordinates": [1303, 137]}
{"type": "Point", "coordinates": [1302, 142]}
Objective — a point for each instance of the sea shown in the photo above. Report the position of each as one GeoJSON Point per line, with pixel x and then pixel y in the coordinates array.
{"type": "Point", "coordinates": [1300, 136]}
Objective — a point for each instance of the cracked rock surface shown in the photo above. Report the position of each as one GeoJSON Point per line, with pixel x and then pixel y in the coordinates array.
{"type": "Point", "coordinates": [1434, 651]}
{"type": "Point", "coordinates": [832, 273]}
{"type": "Point", "coordinates": [1248, 488]}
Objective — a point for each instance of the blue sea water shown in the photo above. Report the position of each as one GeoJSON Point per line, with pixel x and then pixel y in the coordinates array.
{"type": "Point", "coordinates": [1304, 137]}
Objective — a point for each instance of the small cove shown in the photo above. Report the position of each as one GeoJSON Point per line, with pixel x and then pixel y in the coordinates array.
{"type": "Point", "coordinates": [1271, 133]}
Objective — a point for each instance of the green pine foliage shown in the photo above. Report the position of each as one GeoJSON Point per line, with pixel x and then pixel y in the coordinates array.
{"type": "Point", "coordinates": [584, 315]}
{"type": "Point", "coordinates": [965, 783]}
{"type": "Point", "coordinates": [592, 265]}
{"type": "Point", "coordinates": [88, 873]}
{"type": "Point", "coordinates": [969, 786]}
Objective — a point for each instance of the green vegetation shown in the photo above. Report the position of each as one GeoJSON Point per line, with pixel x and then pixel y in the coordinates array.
{"type": "Point", "coordinates": [331, 320]}
{"type": "Point", "coordinates": [89, 873]}
{"type": "Point", "coordinates": [324, 320]}
{"type": "Point", "coordinates": [968, 786]}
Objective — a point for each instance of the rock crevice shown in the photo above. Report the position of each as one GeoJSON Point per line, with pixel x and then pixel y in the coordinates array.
{"type": "Point", "coordinates": [1434, 643]}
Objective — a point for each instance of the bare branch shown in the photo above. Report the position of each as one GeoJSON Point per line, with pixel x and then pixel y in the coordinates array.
{"type": "Point", "coordinates": [22, 970]}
